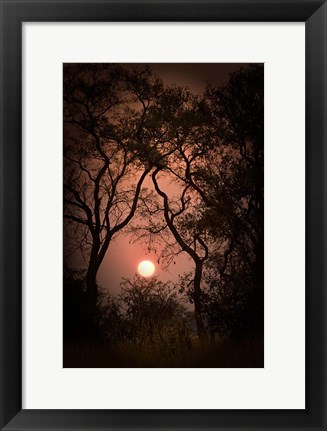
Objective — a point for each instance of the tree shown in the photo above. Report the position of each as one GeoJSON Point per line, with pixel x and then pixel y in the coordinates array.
{"type": "Point", "coordinates": [106, 155]}
{"type": "Point", "coordinates": [217, 215]}
{"type": "Point", "coordinates": [232, 189]}
{"type": "Point", "coordinates": [181, 211]}
{"type": "Point", "coordinates": [189, 238]}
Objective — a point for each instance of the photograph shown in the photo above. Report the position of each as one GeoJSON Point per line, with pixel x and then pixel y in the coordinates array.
{"type": "Point", "coordinates": [163, 215]}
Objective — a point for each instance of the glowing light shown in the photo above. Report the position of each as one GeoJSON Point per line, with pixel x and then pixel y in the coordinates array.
{"type": "Point", "coordinates": [146, 268]}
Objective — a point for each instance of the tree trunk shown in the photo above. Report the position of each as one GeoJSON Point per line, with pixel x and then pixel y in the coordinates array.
{"type": "Point", "coordinates": [198, 300]}
{"type": "Point", "coordinates": [91, 285]}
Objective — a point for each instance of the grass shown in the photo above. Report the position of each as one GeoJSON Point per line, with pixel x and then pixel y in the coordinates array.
{"type": "Point", "coordinates": [222, 353]}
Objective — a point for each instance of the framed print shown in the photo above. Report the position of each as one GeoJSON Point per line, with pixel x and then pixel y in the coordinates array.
{"type": "Point", "coordinates": [163, 215]}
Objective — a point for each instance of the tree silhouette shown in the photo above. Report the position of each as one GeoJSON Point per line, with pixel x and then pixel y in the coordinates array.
{"type": "Point", "coordinates": [105, 109]}
{"type": "Point", "coordinates": [182, 212]}
{"type": "Point", "coordinates": [231, 186]}
{"type": "Point", "coordinates": [217, 217]}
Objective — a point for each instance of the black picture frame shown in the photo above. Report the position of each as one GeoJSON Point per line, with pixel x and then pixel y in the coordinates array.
{"type": "Point", "coordinates": [13, 14]}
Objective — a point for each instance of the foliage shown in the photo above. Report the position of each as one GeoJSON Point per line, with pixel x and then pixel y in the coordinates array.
{"type": "Point", "coordinates": [147, 313]}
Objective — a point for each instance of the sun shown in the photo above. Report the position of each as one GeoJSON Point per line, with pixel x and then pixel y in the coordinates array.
{"type": "Point", "coordinates": [146, 268]}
